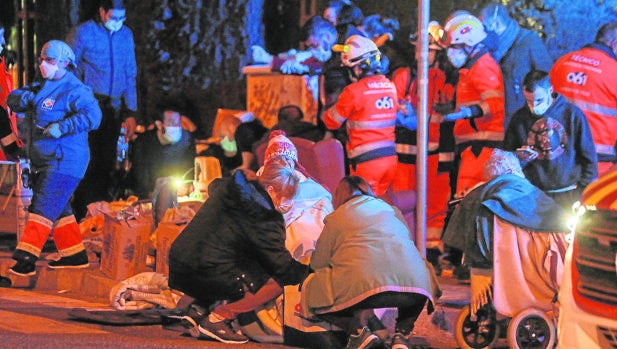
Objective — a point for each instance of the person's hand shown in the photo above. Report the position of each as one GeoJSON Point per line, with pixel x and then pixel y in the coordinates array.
{"type": "Point", "coordinates": [292, 66]}
{"type": "Point", "coordinates": [464, 112]}
{"type": "Point", "coordinates": [526, 154]}
{"type": "Point", "coordinates": [130, 125]}
{"type": "Point", "coordinates": [302, 56]}
{"type": "Point", "coordinates": [53, 130]}
{"type": "Point", "coordinates": [406, 116]}
{"type": "Point", "coordinates": [259, 55]}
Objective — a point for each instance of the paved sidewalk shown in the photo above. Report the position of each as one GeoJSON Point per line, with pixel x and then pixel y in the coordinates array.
{"type": "Point", "coordinates": [431, 331]}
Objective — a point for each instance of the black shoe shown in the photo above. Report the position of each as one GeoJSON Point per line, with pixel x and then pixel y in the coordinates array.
{"type": "Point", "coordinates": [78, 260]}
{"type": "Point", "coordinates": [221, 331]}
{"type": "Point", "coordinates": [400, 341]}
{"type": "Point", "coordinates": [26, 263]}
{"type": "Point", "coordinates": [462, 273]}
{"type": "Point", "coordinates": [5, 282]}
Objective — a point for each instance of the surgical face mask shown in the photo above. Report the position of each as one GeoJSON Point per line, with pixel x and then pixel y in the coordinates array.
{"type": "Point", "coordinates": [457, 57]}
{"type": "Point", "coordinates": [539, 101]}
{"type": "Point", "coordinates": [229, 146]}
{"type": "Point", "coordinates": [48, 70]}
{"type": "Point", "coordinates": [113, 25]}
{"type": "Point", "coordinates": [284, 206]}
{"type": "Point", "coordinates": [172, 134]}
{"type": "Point", "coordinates": [541, 108]}
{"type": "Point", "coordinates": [321, 54]}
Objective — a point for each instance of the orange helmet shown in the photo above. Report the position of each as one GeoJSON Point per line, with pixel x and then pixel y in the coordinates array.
{"type": "Point", "coordinates": [435, 36]}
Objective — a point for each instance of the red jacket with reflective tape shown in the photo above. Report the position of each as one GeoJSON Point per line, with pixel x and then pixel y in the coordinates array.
{"type": "Point", "coordinates": [369, 107]}
{"type": "Point", "coordinates": [481, 84]}
{"type": "Point", "coordinates": [587, 79]}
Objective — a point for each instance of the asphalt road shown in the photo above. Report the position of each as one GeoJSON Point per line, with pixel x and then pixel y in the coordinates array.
{"type": "Point", "coordinates": [40, 319]}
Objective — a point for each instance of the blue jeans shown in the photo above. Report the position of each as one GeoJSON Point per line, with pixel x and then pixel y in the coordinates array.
{"type": "Point", "coordinates": [51, 194]}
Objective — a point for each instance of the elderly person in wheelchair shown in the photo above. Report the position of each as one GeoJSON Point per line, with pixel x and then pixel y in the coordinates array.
{"type": "Point", "coordinates": [513, 238]}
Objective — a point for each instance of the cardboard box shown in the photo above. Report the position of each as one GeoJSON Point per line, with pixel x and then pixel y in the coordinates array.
{"type": "Point", "coordinates": [267, 92]}
{"type": "Point", "coordinates": [13, 212]}
{"type": "Point", "coordinates": [125, 247]}
{"type": "Point", "coordinates": [166, 233]}
{"type": "Point", "coordinates": [15, 196]}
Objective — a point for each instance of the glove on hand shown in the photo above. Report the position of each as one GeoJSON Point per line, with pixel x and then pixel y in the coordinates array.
{"type": "Point", "coordinates": [35, 87]}
{"type": "Point", "coordinates": [464, 112]}
{"type": "Point", "coordinates": [53, 130]}
{"type": "Point", "coordinates": [259, 55]}
{"type": "Point", "coordinates": [406, 116]}
{"type": "Point", "coordinates": [292, 66]}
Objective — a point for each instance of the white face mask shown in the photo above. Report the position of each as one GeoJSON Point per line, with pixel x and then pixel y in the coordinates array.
{"type": "Point", "coordinates": [284, 207]}
{"type": "Point", "coordinates": [113, 25]}
{"type": "Point", "coordinates": [229, 146]}
{"type": "Point", "coordinates": [172, 134]}
{"type": "Point", "coordinates": [539, 101]}
{"type": "Point", "coordinates": [541, 108]}
{"type": "Point", "coordinates": [48, 70]}
{"type": "Point", "coordinates": [457, 57]}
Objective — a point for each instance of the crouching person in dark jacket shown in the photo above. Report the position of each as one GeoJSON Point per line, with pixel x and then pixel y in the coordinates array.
{"type": "Point", "coordinates": [234, 250]}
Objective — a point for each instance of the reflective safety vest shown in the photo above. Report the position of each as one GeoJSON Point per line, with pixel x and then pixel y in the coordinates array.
{"type": "Point", "coordinates": [369, 109]}
{"type": "Point", "coordinates": [440, 138]}
{"type": "Point", "coordinates": [587, 79]}
{"type": "Point", "coordinates": [482, 85]}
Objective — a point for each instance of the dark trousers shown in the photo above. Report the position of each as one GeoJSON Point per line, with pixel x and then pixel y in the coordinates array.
{"type": "Point", "coordinates": [98, 182]}
{"type": "Point", "coordinates": [409, 306]}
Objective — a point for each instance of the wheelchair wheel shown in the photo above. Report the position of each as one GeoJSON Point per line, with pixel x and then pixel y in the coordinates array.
{"type": "Point", "coordinates": [478, 334]}
{"type": "Point", "coordinates": [531, 329]}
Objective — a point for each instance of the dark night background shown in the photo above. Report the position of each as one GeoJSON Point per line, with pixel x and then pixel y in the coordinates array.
{"type": "Point", "coordinates": [197, 48]}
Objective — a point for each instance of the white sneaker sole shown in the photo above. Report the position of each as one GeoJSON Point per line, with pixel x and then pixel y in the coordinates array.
{"type": "Point", "coordinates": [214, 336]}
{"type": "Point", "coordinates": [32, 273]}
{"type": "Point", "coordinates": [81, 266]}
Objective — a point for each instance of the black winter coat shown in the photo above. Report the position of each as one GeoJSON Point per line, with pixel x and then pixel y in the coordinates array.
{"type": "Point", "coordinates": [236, 241]}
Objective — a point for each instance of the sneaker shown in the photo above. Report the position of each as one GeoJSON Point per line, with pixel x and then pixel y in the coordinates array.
{"type": "Point", "coordinates": [221, 331]}
{"type": "Point", "coordinates": [23, 268]}
{"type": "Point", "coordinates": [462, 273]}
{"type": "Point", "coordinates": [188, 322]}
{"type": "Point", "coordinates": [364, 340]}
{"type": "Point", "coordinates": [78, 260]}
{"type": "Point", "coordinates": [399, 341]}
{"type": "Point", "coordinates": [26, 263]}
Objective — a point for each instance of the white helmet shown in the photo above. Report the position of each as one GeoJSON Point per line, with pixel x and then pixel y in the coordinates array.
{"type": "Point", "coordinates": [464, 28]}
{"type": "Point", "coordinates": [356, 49]}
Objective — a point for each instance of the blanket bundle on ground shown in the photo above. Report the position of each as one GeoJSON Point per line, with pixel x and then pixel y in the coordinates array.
{"type": "Point", "coordinates": [144, 291]}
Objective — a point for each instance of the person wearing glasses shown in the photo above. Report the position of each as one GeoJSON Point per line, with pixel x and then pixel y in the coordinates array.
{"type": "Point", "coordinates": [105, 56]}
{"type": "Point", "coordinates": [60, 111]}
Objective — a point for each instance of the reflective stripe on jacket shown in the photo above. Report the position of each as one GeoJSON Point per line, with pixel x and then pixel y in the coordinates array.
{"type": "Point", "coordinates": [369, 107]}
{"type": "Point", "coordinates": [587, 79]}
{"type": "Point", "coordinates": [482, 85]}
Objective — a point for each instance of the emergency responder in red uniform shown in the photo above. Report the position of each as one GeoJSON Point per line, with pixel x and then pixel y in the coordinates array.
{"type": "Point", "coordinates": [440, 136]}
{"type": "Point", "coordinates": [479, 98]}
{"type": "Point", "coordinates": [587, 79]}
{"type": "Point", "coordinates": [8, 137]}
{"type": "Point", "coordinates": [368, 106]}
